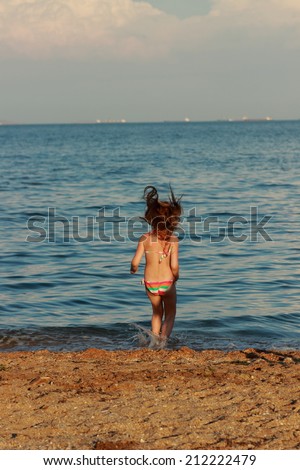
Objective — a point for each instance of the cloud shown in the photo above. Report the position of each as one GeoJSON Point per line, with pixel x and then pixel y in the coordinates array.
{"type": "Point", "coordinates": [248, 24]}
{"type": "Point", "coordinates": [77, 27]}
{"type": "Point", "coordinates": [128, 29]}
{"type": "Point", "coordinates": [257, 13]}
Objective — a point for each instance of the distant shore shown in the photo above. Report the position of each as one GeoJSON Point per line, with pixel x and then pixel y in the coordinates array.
{"type": "Point", "coordinates": [244, 119]}
{"type": "Point", "coordinates": [147, 399]}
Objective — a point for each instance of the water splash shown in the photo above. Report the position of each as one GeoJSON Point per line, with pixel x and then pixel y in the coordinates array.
{"type": "Point", "coordinates": [145, 338]}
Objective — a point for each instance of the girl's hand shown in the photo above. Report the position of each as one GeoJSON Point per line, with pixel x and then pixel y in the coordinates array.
{"type": "Point", "coordinates": [133, 269]}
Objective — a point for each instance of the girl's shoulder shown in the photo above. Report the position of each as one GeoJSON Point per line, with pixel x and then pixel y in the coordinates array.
{"type": "Point", "coordinates": [174, 239]}
{"type": "Point", "coordinates": [144, 237]}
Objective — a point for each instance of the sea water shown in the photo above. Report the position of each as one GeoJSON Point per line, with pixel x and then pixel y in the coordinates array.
{"type": "Point", "coordinates": [71, 198]}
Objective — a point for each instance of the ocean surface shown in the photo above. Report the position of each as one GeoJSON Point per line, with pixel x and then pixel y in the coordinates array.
{"type": "Point", "coordinates": [71, 198]}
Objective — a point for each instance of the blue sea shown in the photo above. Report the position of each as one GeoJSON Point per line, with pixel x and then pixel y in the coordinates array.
{"type": "Point", "coordinates": [71, 198]}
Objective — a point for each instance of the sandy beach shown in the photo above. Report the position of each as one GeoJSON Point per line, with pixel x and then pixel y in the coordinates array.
{"type": "Point", "coordinates": [146, 399]}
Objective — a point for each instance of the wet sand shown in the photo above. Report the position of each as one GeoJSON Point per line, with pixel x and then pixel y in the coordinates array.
{"type": "Point", "coordinates": [147, 399]}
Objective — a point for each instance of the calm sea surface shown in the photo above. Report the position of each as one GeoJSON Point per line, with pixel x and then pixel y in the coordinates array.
{"type": "Point", "coordinates": [65, 282]}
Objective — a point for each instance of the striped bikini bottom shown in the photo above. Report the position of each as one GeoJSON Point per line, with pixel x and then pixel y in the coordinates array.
{"type": "Point", "coordinates": [158, 288]}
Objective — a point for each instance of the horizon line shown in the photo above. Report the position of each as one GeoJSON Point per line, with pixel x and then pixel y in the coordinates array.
{"type": "Point", "coordinates": [164, 121]}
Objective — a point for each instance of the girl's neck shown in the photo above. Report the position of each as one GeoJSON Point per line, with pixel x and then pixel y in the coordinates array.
{"type": "Point", "coordinates": [162, 236]}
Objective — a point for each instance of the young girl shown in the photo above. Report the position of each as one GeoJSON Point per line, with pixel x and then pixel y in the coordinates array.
{"type": "Point", "coordinates": [160, 246]}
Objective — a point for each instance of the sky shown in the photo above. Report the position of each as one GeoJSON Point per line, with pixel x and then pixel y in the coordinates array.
{"type": "Point", "coordinates": [155, 60]}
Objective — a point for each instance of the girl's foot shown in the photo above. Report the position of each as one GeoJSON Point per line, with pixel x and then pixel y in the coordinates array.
{"type": "Point", "coordinates": [157, 342]}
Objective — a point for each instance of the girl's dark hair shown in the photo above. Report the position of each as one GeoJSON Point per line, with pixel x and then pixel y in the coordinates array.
{"type": "Point", "coordinates": [163, 216]}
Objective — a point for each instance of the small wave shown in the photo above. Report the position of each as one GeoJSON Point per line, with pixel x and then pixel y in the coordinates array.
{"type": "Point", "coordinates": [29, 285]}
{"type": "Point", "coordinates": [218, 333]}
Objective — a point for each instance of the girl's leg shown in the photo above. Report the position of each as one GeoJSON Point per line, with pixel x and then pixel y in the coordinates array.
{"type": "Point", "coordinates": [157, 309]}
{"type": "Point", "coordinates": [169, 301]}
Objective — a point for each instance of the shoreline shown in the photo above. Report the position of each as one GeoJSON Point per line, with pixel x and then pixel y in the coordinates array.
{"type": "Point", "coordinates": [145, 399]}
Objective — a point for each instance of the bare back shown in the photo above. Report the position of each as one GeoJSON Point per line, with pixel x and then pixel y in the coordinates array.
{"type": "Point", "coordinates": [161, 258]}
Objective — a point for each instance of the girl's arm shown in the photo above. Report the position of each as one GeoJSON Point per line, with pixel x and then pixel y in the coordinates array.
{"type": "Point", "coordinates": [174, 259]}
{"type": "Point", "coordinates": [138, 256]}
